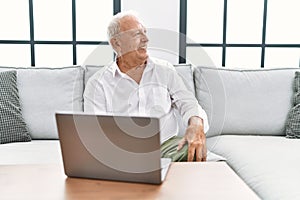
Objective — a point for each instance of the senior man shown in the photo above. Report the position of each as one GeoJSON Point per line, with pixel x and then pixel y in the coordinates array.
{"type": "Point", "coordinates": [136, 84]}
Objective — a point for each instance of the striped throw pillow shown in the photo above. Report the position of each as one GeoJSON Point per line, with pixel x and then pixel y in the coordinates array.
{"type": "Point", "coordinates": [293, 120]}
{"type": "Point", "coordinates": [12, 125]}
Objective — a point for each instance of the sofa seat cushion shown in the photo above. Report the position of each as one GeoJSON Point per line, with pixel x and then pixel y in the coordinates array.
{"type": "Point", "coordinates": [268, 164]}
{"type": "Point", "coordinates": [34, 152]}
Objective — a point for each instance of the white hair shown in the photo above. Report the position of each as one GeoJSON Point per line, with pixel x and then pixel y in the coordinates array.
{"type": "Point", "coordinates": [114, 26]}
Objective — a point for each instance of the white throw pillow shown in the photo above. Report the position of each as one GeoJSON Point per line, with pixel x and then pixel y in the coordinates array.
{"type": "Point", "coordinates": [44, 91]}
{"type": "Point", "coordinates": [245, 101]}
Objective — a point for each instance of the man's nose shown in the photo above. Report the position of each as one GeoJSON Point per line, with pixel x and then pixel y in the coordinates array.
{"type": "Point", "coordinates": [145, 37]}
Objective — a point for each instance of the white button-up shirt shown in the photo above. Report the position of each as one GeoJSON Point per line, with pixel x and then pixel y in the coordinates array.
{"type": "Point", "coordinates": [160, 91]}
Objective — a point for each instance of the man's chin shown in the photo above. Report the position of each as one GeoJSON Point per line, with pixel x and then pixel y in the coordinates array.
{"type": "Point", "coordinates": [143, 56]}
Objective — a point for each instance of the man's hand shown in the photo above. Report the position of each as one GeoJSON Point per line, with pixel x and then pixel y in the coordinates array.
{"type": "Point", "coordinates": [196, 139]}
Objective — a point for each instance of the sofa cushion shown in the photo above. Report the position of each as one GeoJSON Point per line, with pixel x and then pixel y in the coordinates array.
{"type": "Point", "coordinates": [268, 164]}
{"type": "Point", "coordinates": [245, 101]}
{"type": "Point", "coordinates": [43, 91]}
{"type": "Point", "coordinates": [90, 70]}
{"type": "Point", "coordinates": [12, 125]}
{"type": "Point", "coordinates": [293, 121]}
{"type": "Point", "coordinates": [186, 71]}
{"type": "Point", "coordinates": [34, 152]}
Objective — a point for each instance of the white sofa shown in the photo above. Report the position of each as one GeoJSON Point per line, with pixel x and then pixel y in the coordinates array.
{"type": "Point", "coordinates": [247, 111]}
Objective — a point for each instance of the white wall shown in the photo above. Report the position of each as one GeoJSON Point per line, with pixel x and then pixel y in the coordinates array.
{"type": "Point", "coordinates": [161, 17]}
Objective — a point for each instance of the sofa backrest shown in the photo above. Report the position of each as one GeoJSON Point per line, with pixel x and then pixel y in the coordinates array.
{"type": "Point", "coordinates": [236, 101]}
{"type": "Point", "coordinates": [245, 101]}
{"type": "Point", "coordinates": [43, 91]}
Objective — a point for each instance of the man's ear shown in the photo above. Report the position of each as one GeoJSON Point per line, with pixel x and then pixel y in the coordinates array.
{"type": "Point", "coordinates": [115, 42]}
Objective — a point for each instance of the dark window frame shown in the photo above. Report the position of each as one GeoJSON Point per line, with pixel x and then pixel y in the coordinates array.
{"type": "Point", "coordinates": [182, 38]}
{"type": "Point", "coordinates": [183, 44]}
{"type": "Point", "coordinates": [74, 41]}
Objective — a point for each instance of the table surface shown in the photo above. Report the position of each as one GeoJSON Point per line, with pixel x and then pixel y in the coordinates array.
{"type": "Point", "coordinates": [206, 180]}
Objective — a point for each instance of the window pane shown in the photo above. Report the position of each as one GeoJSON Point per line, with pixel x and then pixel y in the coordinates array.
{"type": "Point", "coordinates": [9, 53]}
{"type": "Point", "coordinates": [53, 55]}
{"type": "Point", "coordinates": [205, 21]}
{"type": "Point", "coordinates": [14, 20]}
{"type": "Point", "coordinates": [215, 54]}
{"type": "Point", "coordinates": [92, 18]}
{"type": "Point", "coordinates": [205, 56]}
{"type": "Point", "coordinates": [243, 57]}
{"type": "Point", "coordinates": [94, 55]}
{"type": "Point", "coordinates": [282, 57]}
{"type": "Point", "coordinates": [244, 21]}
{"type": "Point", "coordinates": [52, 20]}
{"type": "Point", "coordinates": [283, 22]}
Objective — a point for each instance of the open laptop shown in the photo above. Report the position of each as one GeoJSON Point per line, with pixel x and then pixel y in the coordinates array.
{"type": "Point", "coordinates": [109, 147]}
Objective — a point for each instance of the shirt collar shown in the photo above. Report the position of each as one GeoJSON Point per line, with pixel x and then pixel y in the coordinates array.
{"type": "Point", "coordinates": [114, 68]}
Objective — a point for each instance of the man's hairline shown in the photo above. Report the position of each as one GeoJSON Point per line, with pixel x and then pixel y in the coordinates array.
{"type": "Point", "coordinates": [127, 14]}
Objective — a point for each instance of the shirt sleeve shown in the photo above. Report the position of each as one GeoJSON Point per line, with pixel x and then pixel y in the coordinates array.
{"type": "Point", "coordinates": [94, 97]}
{"type": "Point", "coordinates": [184, 100]}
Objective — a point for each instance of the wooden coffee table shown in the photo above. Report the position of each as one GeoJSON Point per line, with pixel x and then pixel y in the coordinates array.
{"type": "Point", "coordinates": [209, 180]}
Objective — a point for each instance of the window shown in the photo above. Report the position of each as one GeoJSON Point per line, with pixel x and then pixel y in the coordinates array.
{"type": "Point", "coordinates": [282, 57]}
{"type": "Point", "coordinates": [231, 33]}
{"type": "Point", "coordinates": [15, 55]}
{"type": "Point", "coordinates": [53, 32]}
{"type": "Point", "coordinates": [244, 21]}
{"type": "Point", "coordinates": [52, 20]}
{"type": "Point", "coordinates": [205, 21]}
{"type": "Point", "coordinates": [47, 55]}
{"type": "Point", "coordinates": [92, 18]}
{"type": "Point", "coordinates": [205, 56]}
{"type": "Point", "coordinates": [283, 34]}
{"type": "Point", "coordinates": [14, 21]}
{"type": "Point", "coordinates": [242, 34]}
{"type": "Point", "coordinates": [94, 54]}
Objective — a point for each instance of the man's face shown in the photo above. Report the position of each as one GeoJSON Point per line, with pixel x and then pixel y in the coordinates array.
{"type": "Point", "coordinates": [133, 40]}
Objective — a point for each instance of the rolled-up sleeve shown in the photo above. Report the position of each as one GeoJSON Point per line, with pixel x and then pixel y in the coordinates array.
{"type": "Point", "coordinates": [185, 101]}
